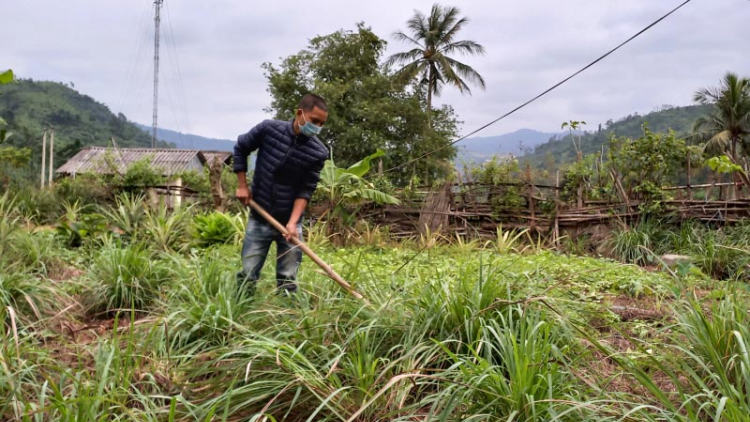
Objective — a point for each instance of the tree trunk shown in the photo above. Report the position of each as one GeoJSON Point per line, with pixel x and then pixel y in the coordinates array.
{"type": "Point", "coordinates": [733, 191]}
{"type": "Point", "coordinates": [217, 191]}
{"type": "Point", "coordinates": [430, 87]}
{"type": "Point", "coordinates": [690, 190]}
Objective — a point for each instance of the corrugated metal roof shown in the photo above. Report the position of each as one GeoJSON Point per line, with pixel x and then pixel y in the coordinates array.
{"type": "Point", "coordinates": [224, 156]}
{"type": "Point", "coordinates": [108, 160]}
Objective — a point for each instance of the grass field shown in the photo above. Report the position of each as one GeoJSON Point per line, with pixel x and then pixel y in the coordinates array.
{"type": "Point", "coordinates": [132, 314]}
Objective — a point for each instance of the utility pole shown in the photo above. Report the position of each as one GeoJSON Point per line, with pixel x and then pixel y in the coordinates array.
{"type": "Point", "coordinates": [157, 22]}
{"type": "Point", "coordinates": [51, 154]}
{"type": "Point", "coordinates": [44, 155]}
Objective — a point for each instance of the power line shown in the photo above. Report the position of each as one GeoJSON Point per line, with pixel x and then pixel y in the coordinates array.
{"type": "Point", "coordinates": [130, 85]}
{"type": "Point", "coordinates": [552, 88]}
{"type": "Point", "coordinates": [181, 116]}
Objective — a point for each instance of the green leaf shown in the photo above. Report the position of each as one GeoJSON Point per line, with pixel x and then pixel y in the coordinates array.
{"type": "Point", "coordinates": [361, 168]}
{"type": "Point", "coordinates": [378, 196]}
{"type": "Point", "coordinates": [6, 77]}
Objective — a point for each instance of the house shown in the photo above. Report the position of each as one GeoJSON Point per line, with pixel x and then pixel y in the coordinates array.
{"type": "Point", "coordinates": [169, 162]}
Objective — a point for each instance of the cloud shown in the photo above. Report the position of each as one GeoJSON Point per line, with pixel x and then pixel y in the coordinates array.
{"type": "Point", "coordinates": [219, 90]}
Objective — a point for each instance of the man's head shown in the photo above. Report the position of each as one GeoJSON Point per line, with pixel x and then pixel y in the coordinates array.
{"type": "Point", "coordinates": [312, 114]}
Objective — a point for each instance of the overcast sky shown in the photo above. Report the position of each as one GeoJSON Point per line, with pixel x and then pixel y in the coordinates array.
{"type": "Point", "coordinates": [212, 51]}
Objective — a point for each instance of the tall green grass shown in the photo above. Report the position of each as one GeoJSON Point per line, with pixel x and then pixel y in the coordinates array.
{"type": "Point", "coordinates": [462, 332]}
{"type": "Point", "coordinates": [637, 244]}
{"type": "Point", "coordinates": [124, 278]}
{"type": "Point", "coordinates": [205, 309]}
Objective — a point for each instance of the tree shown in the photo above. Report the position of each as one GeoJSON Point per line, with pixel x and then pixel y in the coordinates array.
{"type": "Point", "coordinates": [729, 122]}
{"type": "Point", "coordinates": [574, 125]}
{"type": "Point", "coordinates": [10, 157]}
{"type": "Point", "coordinates": [6, 77]}
{"type": "Point", "coordinates": [367, 110]}
{"type": "Point", "coordinates": [433, 38]}
{"type": "Point", "coordinates": [648, 163]}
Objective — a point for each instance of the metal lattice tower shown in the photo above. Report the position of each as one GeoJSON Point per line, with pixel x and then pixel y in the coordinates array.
{"type": "Point", "coordinates": [157, 23]}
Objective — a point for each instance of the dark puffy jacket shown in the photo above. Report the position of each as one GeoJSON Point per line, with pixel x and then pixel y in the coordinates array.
{"type": "Point", "coordinates": [288, 165]}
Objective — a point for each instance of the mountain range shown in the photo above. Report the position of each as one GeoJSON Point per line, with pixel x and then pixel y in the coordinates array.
{"type": "Point", "coordinates": [188, 141]}
{"type": "Point", "coordinates": [470, 150]}
{"type": "Point", "coordinates": [29, 107]}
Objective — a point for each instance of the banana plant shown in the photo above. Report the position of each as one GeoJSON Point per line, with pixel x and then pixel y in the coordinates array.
{"type": "Point", "coordinates": [345, 190]}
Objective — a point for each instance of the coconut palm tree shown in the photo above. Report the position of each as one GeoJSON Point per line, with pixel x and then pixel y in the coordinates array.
{"type": "Point", "coordinates": [729, 122]}
{"type": "Point", "coordinates": [434, 40]}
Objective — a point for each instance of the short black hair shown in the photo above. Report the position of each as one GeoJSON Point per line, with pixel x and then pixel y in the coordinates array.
{"type": "Point", "coordinates": [310, 101]}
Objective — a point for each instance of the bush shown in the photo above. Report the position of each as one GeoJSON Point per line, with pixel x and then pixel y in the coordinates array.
{"type": "Point", "coordinates": [218, 228]}
{"type": "Point", "coordinates": [139, 175]}
{"type": "Point", "coordinates": [86, 189]}
{"type": "Point", "coordinates": [38, 252]}
{"type": "Point", "coordinates": [206, 307]}
{"type": "Point", "coordinates": [38, 207]}
{"type": "Point", "coordinates": [637, 244]}
{"type": "Point", "coordinates": [124, 279]}
{"type": "Point", "coordinates": [80, 224]}
{"type": "Point", "coordinates": [28, 295]}
{"type": "Point", "coordinates": [717, 255]}
{"type": "Point", "coordinates": [128, 215]}
{"type": "Point", "coordinates": [168, 230]}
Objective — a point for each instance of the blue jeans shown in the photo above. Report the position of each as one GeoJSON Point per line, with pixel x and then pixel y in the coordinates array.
{"type": "Point", "coordinates": [258, 238]}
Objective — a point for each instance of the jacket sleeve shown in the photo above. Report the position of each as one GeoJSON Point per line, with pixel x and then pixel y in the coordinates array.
{"type": "Point", "coordinates": [311, 181]}
{"type": "Point", "coordinates": [246, 144]}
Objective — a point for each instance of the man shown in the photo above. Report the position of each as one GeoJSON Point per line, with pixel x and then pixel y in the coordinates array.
{"type": "Point", "coordinates": [287, 171]}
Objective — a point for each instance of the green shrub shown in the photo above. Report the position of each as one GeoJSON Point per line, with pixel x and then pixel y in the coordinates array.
{"type": "Point", "coordinates": [29, 296]}
{"type": "Point", "coordinates": [39, 252]}
{"type": "Point", "coordinates": [38, 207]}
{"type": "Point", "coordinates": [206, 307]}
{"type": "Point", "coordinates": [80, 224]}
{"type": "Point", "coordinates": [139, 175]}
{"type": "Point", "coordinates": [517, 367]}
{"type": "Point", "coordinates": [717, 255]}
{"type": "Point", "coordinates": [167, 230]}
{"type": "Point", "coordinates": [128, 215]}
{"type": "Point", "coordinates": [86, 189]}
{"type": "Point", "coordinates": [123, 279]}
{"type": "Point", "coordinates": [9, 218]}
{"type": "Point", "coordinates": [637, 244]}
{"type": "Point", "coordinates": [217, 228]}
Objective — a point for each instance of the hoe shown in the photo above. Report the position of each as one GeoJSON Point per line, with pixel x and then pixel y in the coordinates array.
{"type": "Point", "coordinates": [309, 252]}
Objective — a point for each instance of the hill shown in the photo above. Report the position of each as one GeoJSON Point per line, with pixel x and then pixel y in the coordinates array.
{"type": "Point", "coordinates": [480, 149]}
{"type": "Point", "coordinates": [188, 141]}
{"type": "Point", "coordinates": [561, 151]}
{"type": "Point", "coordinates": [29, 107]}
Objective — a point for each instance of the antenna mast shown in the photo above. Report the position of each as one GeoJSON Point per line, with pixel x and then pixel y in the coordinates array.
{"type": "Point", "coordinates": [157, 22]}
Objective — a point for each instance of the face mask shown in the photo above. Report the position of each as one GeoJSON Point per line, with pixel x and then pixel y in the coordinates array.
{"type": "Point", "coordinates": [309, 129]}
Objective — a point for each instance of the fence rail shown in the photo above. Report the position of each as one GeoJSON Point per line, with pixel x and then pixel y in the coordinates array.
{"type": "Point", "coordinates": [473, 208]}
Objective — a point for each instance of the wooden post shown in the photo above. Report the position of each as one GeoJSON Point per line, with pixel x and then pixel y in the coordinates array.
{"type": "Point", "coordinates": [51, 155]}
{"type": "Point", "coordinates": [460, 206]}
{"type": "Point", "coordinates": [689, 189]}
{"type": "Point", "coordinates": [710, 189]}
{"type": "Point", "coordinates": [44, 156]}
{"type": "Point", "coordinates": [530, 189]}
{"type": "Point", "coordinates": [556, 230]}
{"type": "Point", "coordinates": [214, 177]}
{"type": "Point", "coordinates": [620, 188]}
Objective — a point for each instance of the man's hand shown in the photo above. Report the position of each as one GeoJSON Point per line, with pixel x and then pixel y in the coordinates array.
{"type": "Point", "coordinates": [244, 195]}
{"type": "Point", "coordinates": [291, 229]}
